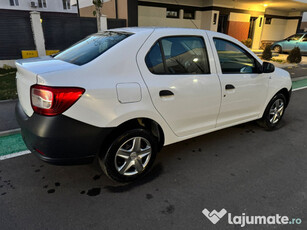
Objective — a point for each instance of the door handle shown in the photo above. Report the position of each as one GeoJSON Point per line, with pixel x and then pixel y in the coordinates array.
{"type": "Point", "coordinates": [228, 87]}
{"type": "Point", "coordinates": [165, 93]}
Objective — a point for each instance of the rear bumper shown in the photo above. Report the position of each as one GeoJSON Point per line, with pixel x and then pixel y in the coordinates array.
{"type": "Point", "coordinates": [60, 139]}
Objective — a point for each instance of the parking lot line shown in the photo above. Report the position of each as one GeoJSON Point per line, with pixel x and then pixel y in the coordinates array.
{"type": "Point", "coordinates": [300, 84]}
{"type": "Point", "coordinates": [8, 156]}
{"type": "Point", "coordinates": [11, 144]}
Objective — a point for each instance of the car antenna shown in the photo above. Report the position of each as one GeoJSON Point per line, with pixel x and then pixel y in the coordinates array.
{"type": "Point", "coordinates": [190, 19]}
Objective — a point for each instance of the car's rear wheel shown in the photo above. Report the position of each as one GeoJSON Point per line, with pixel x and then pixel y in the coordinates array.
{"type": "Point", "coordinates": [130, 156]}
{"type": "Point", "coordinates": [277, 49]}
{"type": "Point", "coordinates": [273, 112]}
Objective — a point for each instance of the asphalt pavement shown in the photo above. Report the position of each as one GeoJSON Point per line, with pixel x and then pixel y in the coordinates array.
{"type": "Point", "coordinates": [243, 169]}
{"type": "Point", "coordinates": [7, 115]}
{"type": "Point", "coordinates": [297, 71]}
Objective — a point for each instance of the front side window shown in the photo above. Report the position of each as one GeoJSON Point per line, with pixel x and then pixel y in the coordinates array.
{"type": "Point", "coordinates": [234, 59]}
{"type": "Point", "coordinates": [295, 37]}
{"type": "Point", "coordinates": [178, 55]}
{"type": "Point", "coordinates": [304, 38]}
{"type": "Point", "coordinates": [91, 47]}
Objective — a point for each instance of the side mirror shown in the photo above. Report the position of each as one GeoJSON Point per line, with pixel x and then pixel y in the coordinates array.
{"type": "Point", "coordinates": [268, 67]}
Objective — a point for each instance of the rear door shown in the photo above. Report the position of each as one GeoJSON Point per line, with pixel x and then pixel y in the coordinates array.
{"type": "Point", "coordinates": [179, 72]}
{"type": "Point", "coordinates": [244, 89]}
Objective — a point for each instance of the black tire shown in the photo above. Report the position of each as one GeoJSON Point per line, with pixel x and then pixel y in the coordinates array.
{"type": "Point", "coordinates": [267, 121]}
{"type": "Point", "coordinates": [277, 49]}
{"type": "Point", "coordinates": [111, 161]}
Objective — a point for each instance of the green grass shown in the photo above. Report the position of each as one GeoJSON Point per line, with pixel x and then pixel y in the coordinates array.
{"type": "Point", "coordinates": [6, 71]}
{"type": "Point", "coordinates": [8, 84]}
{"type": "Point", "coordinates": [278, 60]}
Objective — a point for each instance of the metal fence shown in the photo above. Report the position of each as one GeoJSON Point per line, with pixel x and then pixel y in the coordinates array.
{"type": "Point", "coordinates": [15, 34]}
{"type": "Point", "coordinates": [60, 31]}
{"type": "Point", "coordinates": [116, 23]}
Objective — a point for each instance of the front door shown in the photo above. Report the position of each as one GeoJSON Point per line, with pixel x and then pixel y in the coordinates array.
{"type": "Point", "coordinates": [244, 88]}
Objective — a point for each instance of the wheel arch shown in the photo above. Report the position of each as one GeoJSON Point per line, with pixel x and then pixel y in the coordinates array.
{"type": "Point", "coordinates": [142, 122]}
{"type": "Point", "coordinates": [285, 92]}
{"type": "Point", "coordinates": [277, 44]}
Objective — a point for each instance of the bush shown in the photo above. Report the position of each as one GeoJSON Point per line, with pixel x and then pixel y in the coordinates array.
{"type": "Point", "coordinates": [7, 67]}
{"type": "Point", "coordinates": [248, 42]}
{"type": "Point", "coordinates": [267, 53]}
{"type": "Point", "coordinates": [295, 56]}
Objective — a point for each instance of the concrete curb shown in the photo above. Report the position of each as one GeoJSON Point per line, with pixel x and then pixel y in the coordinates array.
{"type": "Point", "coordinates": [9, 100]}
{"type": "Point", "coordinates": [9, 132]}
{"type": "Point", "coordinates": [299, 78]}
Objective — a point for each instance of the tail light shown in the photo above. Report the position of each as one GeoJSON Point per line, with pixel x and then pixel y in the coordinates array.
{"type": "Point", "coordinates": [51, 101]}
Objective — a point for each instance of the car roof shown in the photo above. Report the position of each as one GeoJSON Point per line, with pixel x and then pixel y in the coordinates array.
{"type": "Point", "coordinates": [143, 29]}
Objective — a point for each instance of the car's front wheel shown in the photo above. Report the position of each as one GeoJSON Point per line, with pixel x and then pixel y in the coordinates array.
{"type": "Point", "coordinates": [130, 156]}
{"type": "Point", "coordinates": [273, 112]}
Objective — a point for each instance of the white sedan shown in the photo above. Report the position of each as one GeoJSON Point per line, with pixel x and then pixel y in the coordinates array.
{"type": "Point", "coordinates": [123, 94]}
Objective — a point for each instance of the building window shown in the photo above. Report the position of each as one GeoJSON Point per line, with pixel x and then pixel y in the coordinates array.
{"type": "Point", "coordinates": [14, 2]}
{"type": "Point", "coordinates": [189, 14]}
{"type": "Point", "coordinates": [172, 13]}
{"type": "Point", "coordinates": [66, 4]}
{"type": "Point", "coordinates": [214, 18]}
{"type": "Point", "coordinates": [42, 3]}
{"type": "Point", "coordinates": [268, 21]}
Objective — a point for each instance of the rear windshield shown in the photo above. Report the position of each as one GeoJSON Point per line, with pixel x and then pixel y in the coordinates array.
{"type": "Point", "coordinates": [91, 47]}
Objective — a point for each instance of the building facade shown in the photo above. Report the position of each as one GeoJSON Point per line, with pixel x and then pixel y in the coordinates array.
{"type": "Point", "coordinates": [113, 9]}
{"type": "Point", "coordinates": [261, 21]}
{"type": "Point", "coordinates": [304, 22]}
{"type": "Point", "coordinates": [59, 6]}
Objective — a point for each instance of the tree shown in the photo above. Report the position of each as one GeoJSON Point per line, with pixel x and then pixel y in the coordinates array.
{"type": "Point", "coordinates": [97, 12]}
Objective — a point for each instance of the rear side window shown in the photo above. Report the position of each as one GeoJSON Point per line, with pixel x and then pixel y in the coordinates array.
{"type": "Point", "coordinates": [178, 55]}
{"type": "Point", "coordinates": [91, 47]}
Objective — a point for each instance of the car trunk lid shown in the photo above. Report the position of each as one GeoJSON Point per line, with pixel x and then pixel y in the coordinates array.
{"type": "Point", "coordinates": [27, 75]}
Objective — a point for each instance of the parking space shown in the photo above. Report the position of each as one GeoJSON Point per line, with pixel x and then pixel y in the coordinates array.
{"type": "Point", "coordinates": [243, 169]}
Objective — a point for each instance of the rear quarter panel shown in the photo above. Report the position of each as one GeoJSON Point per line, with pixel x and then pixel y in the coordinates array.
{"type": "Point", "coordinates": [99, 106]}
